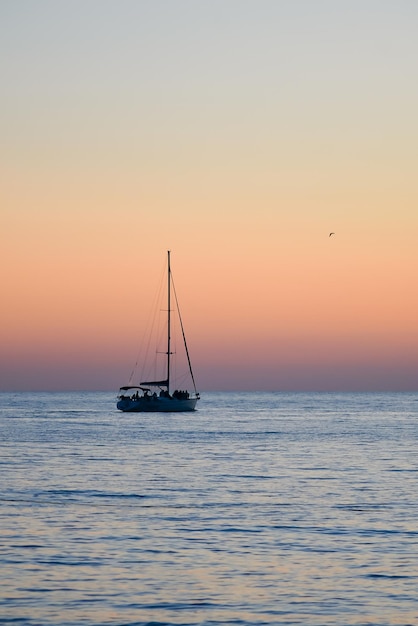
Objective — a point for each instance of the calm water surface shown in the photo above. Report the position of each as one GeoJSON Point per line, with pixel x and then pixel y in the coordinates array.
{"type": "Point", "coordinates": [257, 509]}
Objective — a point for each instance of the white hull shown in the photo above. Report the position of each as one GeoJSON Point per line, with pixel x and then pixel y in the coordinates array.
{"type": "Point", "coordinates": [159, 404]}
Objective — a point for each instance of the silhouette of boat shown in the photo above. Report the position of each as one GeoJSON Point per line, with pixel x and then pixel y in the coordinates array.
{"type": "Point", "coordinates": [156, 395]}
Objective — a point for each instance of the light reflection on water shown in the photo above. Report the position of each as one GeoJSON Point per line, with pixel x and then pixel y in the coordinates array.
{"type": "Point", "coordinates": [258, 509]}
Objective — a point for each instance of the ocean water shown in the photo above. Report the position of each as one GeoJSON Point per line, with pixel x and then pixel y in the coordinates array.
{"type": "Point", "coordinates": [259, 508]}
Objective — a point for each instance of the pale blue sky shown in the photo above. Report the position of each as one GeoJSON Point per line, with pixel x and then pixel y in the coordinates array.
{"type": "Point", "coordinates": [218, 66]}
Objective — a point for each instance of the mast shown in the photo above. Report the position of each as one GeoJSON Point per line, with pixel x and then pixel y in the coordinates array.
{"type": "Point", "coordinates": [168, 320]}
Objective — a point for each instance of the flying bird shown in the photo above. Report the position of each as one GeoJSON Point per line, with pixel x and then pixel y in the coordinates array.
{"type": "Point", "coordinates": [331, 234]}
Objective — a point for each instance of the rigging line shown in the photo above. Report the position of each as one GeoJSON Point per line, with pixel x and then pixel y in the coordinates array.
{"type": "Point", "coordinates": [182, 331]}
{"type": "Point", "coordinates": [150, 365]}
{"type": "Point", "coordinates": [148, 333]}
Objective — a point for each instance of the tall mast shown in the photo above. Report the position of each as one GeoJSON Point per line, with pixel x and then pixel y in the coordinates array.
{"type": "Point", "coordinates": [168, 320]}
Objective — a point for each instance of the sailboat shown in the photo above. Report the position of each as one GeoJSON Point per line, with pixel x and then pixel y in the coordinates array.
{"type": "Point", "coordinates": [156, 395]}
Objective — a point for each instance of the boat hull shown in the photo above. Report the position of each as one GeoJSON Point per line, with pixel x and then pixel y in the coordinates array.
{"type": "Point", "coordinates": [156, 405]}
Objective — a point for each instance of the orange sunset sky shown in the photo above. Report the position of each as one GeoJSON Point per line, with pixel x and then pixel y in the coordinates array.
{"type": "Point", "coordinates": [238, 134]}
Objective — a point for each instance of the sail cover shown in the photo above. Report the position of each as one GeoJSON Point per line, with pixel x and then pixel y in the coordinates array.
{"type": "Point", "coordinates": [126, 387]}
{"type": "Point", "coordinates": [156, 383]}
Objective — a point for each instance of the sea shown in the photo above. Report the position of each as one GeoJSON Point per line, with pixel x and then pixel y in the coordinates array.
{"type": "Point", "coordinates": [258, 508]}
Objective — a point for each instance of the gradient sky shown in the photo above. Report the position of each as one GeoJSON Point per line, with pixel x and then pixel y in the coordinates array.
{"type": "Point", "coordinates": [238, 134]}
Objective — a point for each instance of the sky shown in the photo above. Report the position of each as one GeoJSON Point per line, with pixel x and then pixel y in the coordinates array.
{"type": "Point", "coordinates": [238, 134]}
